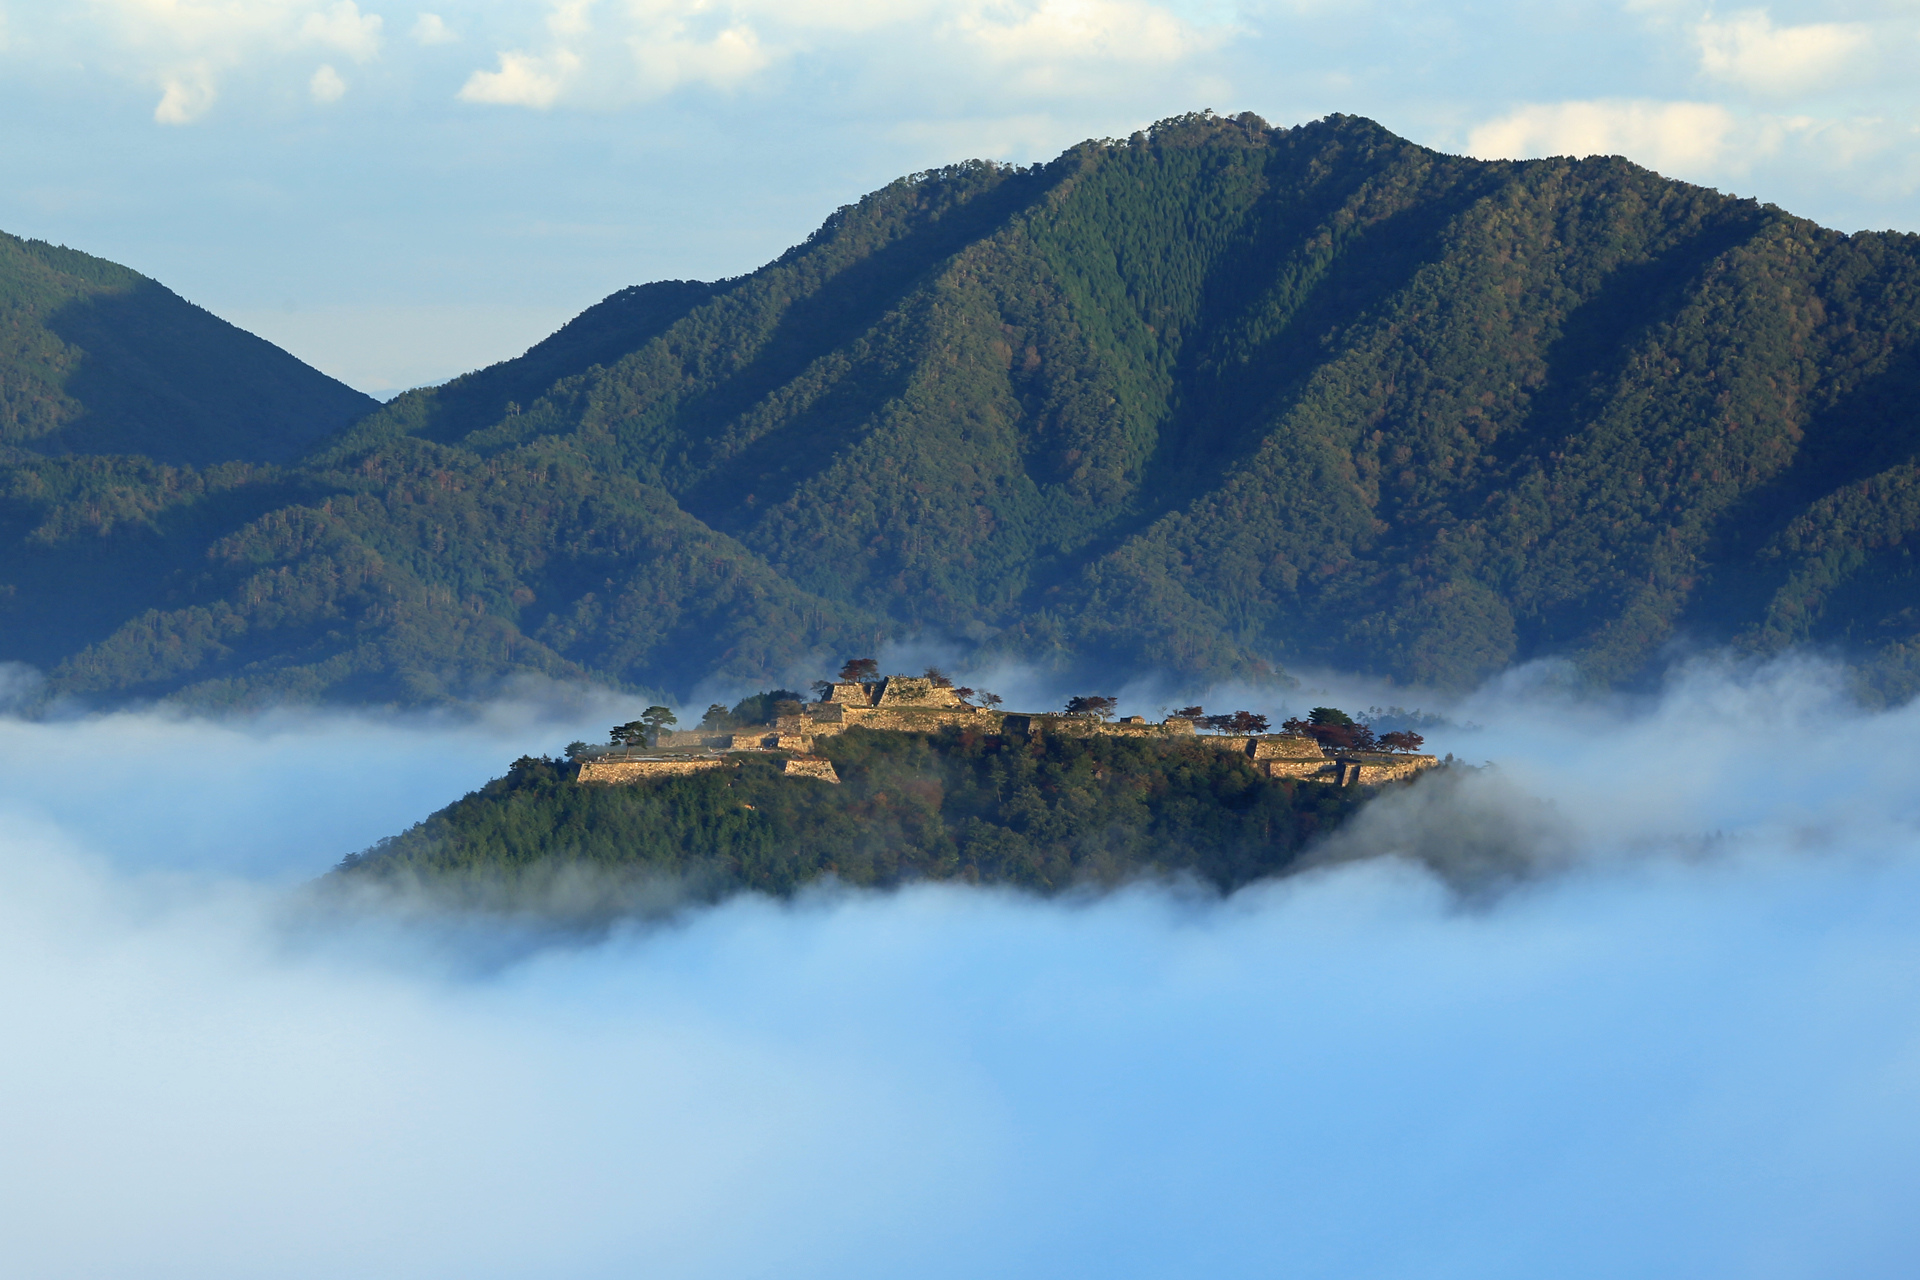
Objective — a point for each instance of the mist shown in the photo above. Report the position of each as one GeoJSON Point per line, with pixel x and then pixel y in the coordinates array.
{"type": "Point", "coordinates": [1640, 996]}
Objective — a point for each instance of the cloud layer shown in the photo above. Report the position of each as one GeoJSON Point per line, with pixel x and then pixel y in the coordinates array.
{"type": "Point", "coordinates": [1688, 1051]}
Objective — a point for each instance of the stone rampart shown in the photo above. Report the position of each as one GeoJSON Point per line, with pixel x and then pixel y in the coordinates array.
{"type": "Point", "coordinates": [921, 719]}
{"type": "Point", "coordinates": [1372, 769]}
{"type": "Point", "coordinates": [1285, 746]}
{"type": "Point", "coordinates": [915, 691]}
{"type": "Point", "coordinates": [717, 739]}
{"type": "Point", "coordinates": [1066, 726]}
{"type": "Point", "coordinates": [1301, 770]}
{"type": "Point", "coordinates": [811, 767]}
{"type": "Point", "coordinates": [623, 771]}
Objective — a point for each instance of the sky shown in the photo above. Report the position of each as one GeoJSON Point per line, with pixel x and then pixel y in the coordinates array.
{"type": "Point", "coordinates": [1677, 1038]}
{"type": "Point", "coordinates": [398, 194]}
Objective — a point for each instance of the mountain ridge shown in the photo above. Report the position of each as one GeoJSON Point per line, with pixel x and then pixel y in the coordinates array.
{"type": "Point", "coordinates": [1215, 399]}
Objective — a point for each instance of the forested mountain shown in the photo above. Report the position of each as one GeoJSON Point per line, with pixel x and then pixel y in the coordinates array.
{"type": "Point", "coordinates": [95, 358]}
{"type": "Point", "coordinates": [1216, 398]}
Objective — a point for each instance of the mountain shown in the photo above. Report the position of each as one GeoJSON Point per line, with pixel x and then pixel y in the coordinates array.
{"type": "Point", "coordinates": [1218, 399]}
{"type": "Point", "coordinates": [98, 359]}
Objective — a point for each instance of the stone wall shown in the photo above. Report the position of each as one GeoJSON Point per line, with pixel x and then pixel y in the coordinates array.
{"type": "Point", "coordinates": [1065, 726]}
{"type": "Point", "coordinates": [1372, 769]}
{"type": "Point", "coordinates": [623, 771]}
{"type": "Point", "coordinates": [680, 738]}
{"type": "Point", "coordinates": [1285, 746]}
{"type": "Point", "coordinates": [915, 691]}
{"type": "Point", "coordinates": [811, 767]}
{"type": "Point", "coordinates": [1301, 770]}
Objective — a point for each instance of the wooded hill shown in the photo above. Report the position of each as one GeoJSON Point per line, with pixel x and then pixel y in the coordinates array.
{"type": "Point", "coordinates": [1217, 398]}
{"type": "Point", "coordinates": [1047, 815]}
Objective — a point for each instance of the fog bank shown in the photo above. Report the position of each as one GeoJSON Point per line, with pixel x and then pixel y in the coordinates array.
{"type": "Point", "coordinates": [1657, 1013]}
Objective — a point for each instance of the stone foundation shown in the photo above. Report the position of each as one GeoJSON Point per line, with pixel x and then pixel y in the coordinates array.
{"type": "Point", "coordinates": [811, 767]}
{"type": "Point", "coordinates": [1065, 726]}
{"type": "Point", "coordinates": [624, 771]}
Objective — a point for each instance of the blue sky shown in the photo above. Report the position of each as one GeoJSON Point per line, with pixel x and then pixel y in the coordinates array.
{"type": "Point", "coordinates": [399, 192]}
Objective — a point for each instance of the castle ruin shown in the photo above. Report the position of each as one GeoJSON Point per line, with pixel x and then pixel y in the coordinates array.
{"type": "Point", "coordinates": [920, 704]}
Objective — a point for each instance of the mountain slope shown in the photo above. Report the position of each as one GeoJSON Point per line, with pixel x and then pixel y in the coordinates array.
{"type": "Point", "coordinates": [1217, 398]}
{"type": "Point", "coordinates": [98, 359]}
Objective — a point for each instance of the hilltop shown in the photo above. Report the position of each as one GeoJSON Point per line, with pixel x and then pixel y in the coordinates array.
{"type": "Point", "coordinates": [1214, 399]}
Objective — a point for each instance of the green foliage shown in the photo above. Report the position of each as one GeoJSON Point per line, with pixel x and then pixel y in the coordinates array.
{"type": "Point", "coordinates": [98, 359]}
{"type": "Point", "coordinates": [964, 806]}
{"type": "Point", "coordinates": [1215, 399]}
{"type": "Point", "coordinates": [761, 708]}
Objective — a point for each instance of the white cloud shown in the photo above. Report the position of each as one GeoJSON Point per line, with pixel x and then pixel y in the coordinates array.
{"type": "Point", "coordinates": [1078, 30]}
{"type": "Point", "coordinates": [674, 43]}
{"type": "Point", "coordinates": [666, 59]}
{"type": "Point", "coordinates": [1749, 51]}
{"type": "Point", "coordinates": [1695, 1045]}
{"type": "Point", "coordinates": [431, 28]}
{"type": "Point", "coordinates": [342, 26]}
{"type": "Point", "coordinates": [326, 85]}
{"type": "Point", "coordinates": [522, 80]}
{"type": "Point", "coordinates": [1673, 137]}
{"type": "Point", "coordinates": [185, 96]}
{"type": "Point", "coordinates": [187, 47]}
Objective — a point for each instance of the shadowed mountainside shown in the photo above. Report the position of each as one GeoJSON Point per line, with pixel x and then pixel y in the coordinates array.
{"type": "Point", "coordinates": [98, 359]}
{"type": "Point", "coordinates": [1216, 398]}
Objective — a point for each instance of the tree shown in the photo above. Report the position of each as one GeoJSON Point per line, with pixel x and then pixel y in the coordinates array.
{"type": "Point", "coordinates": [762, 707]}
{"type": "Point", "coordinates": [657, 720]}
{"type": "Point", "coordinates": [1401, 740]}
{"type": "Point", "coordinates": [575, 750]}
{"type": "Point", "coordinates": [988, 700]}
{"type": "Point", "coordinates": [717, 717]}
{"type": "Point", "coordinates": [1333, 728]}
{"type": "Point", "coordinates": [631, 734]}
{"type": "Point", "coordinates": [940, 679]}
{"type": "Point", "coordinates": [860, 671]}
{"type": "Point", "coordinates": [1191, 713]}
{"type": "Point", "coordinates": [1236, 722]}
{"type": "Point", "coordinates": [1092, 704]}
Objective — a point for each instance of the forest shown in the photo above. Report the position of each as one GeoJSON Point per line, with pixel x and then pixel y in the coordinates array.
{"type": "Point", "coordinates": [1045, 815]}
{"type": "Point", "coordinates": [1219, 399]}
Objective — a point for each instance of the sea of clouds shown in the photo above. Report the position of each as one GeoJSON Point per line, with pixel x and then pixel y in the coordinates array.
{"type": "Point", "coordinates": [1641, 998]}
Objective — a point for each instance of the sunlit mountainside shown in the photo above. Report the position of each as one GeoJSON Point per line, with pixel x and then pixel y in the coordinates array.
{"type": "Point", "coordinates": [1216, 399]}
